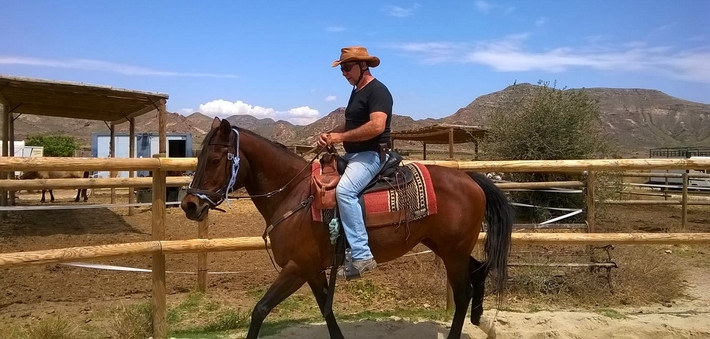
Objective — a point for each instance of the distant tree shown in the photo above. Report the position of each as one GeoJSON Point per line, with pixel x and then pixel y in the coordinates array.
{"type": "Point", "coordinates": [54, 145]}
{"type": "Point", "coordinates": [550, 124]}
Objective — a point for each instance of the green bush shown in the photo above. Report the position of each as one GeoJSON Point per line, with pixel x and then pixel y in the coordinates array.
{"type": "Point", "coordinates": [54, 145]}
{"type": "Point", "coordinates": [549, 124]}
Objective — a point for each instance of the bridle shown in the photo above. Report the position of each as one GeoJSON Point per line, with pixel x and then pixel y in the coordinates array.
{"type": "Point", "coordinates": [215, 198]}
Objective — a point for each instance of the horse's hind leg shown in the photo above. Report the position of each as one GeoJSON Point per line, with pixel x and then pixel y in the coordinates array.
{"type": "Point", "coordinates": [457, 271]}
{"type": "Point", "coordinates": [319, 286]}
{"type": "Point", "coordinates": [51, 196]}
{"type": "Point", "coordinates": [478, 272]}
{"type": "Point", "coordinates": [285, 284]}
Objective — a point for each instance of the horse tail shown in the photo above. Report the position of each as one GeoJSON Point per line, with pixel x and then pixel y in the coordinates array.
{"type": "Point", "coordinates": [499, 217]}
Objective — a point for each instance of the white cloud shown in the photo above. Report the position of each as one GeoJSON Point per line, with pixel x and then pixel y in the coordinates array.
{"type": "Point", "coordinates": [101, 66]}
{"type": "Point", "coordinates": [540, 21]}
{"type": "Point", "coordinates": [330, 98]}
{"type": "Point", "coordinates": [223, 109]}
{"type": "Point", "coordinates": [335, 29]}
{"type": "Point", "coordinates": [401, 12]}
{"type": "Point", "coordinates": [511, 55]}
{"type": "Point", "coordinates": [303, 115]}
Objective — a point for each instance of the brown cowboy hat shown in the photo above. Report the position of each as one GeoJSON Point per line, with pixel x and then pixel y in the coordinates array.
{"type": "Point", "coordinates": [356, 53]}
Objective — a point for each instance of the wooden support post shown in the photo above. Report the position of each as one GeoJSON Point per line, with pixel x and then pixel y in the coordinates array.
{"type": "Point", "coordinates": [162, 137]}
{"type": "Point", "coordinates": [684, 202]}
{"type": "Point", "coordinates": [5, 147]}
{"type": "Point", "coordinates": [131, 154]}
{"type": "Point", "coordinates": [591, 209]}
{"type": "Point", "coordinates": [11, 133]}
{"type": "Point", "coordinates": [451, 144]}
{"type": "Point", "coordinates": [424, 151]}
{"type": "Point", "coordinates": [158, 230]}
{"type": "Point", "coordinates": [112, 154]}
{"type": "Point", "coordinates": [202, 233]}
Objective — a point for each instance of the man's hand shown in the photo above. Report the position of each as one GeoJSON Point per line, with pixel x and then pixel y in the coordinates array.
{"type": "Point", "coordinates": [323, 139]}
{"type": "Point", "coordinates": [327, 139]}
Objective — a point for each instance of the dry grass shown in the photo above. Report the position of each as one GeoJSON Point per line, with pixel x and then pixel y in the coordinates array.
{"type": "Point", "coordinates": [133, 321]}
{"type": "Point", "coordinates": [645, 275]}
{"type": "Point", "coordinates": [54, 327]}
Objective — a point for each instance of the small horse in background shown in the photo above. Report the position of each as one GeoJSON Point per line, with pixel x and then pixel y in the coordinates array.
{"type": "Point", "coordinates": [58, 175]}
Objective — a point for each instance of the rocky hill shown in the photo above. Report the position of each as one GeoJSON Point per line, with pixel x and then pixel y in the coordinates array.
{"type": "Point", "coordinates": [639, 119]}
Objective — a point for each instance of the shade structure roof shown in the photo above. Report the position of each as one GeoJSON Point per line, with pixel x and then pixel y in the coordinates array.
{"type": "Point", "coordinates": [75, 100]}
{"type": "Point", "coordinates": [440, 134]}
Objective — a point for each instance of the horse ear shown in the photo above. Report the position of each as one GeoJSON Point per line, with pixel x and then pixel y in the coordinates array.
{"type": "Point", "coordinates": [215, 123]}
{"type": "Point", "coordinates": [226, 127]}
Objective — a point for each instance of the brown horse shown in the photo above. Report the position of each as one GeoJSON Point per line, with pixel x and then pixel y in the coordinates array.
{"type": "Point", "coordinates": [279, 186]}
{"type": "Point", "coordinates": [58, 175]}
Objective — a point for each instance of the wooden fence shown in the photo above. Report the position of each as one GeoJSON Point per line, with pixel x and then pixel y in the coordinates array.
{"type": "Point", "coordinates": [159, 247]}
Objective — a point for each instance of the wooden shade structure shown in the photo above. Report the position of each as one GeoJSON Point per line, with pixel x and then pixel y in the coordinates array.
{"type": "Point", "coordinates": [442, 134]}
{"type": "Point", "coordinates": [78, 101]}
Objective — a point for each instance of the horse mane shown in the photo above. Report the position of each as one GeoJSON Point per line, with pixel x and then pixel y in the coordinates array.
{"type": "Point", "coordinates": [281, 147]}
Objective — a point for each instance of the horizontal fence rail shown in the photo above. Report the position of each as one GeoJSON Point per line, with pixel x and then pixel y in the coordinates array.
{"type": "Point", "coordinates": [186, 164]}
{"type": "Point", "coordinates": [257, 243]}
{"type": "Point", "coordinates": [96, 164]}
{"type": "Point", "coordinates": [34, 184]}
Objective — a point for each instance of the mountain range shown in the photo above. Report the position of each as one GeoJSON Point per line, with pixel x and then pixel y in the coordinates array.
{"type": "Point", "coordinates": [638, 120]}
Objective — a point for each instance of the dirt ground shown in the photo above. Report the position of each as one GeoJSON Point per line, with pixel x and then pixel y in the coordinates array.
{"type": "Point", "coordinates": [31, 292]}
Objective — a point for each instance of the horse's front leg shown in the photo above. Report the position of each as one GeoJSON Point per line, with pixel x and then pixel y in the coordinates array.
{"type": "Point", "coordinates": [288, 281]}
{"type": "Point", "coordinates": [319, 286]}
{"type": "Point", "coordinates": [51, 196]}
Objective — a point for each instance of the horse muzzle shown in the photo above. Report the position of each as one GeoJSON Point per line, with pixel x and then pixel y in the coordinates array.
{"type": "Point", "coordinates": [194, 207]}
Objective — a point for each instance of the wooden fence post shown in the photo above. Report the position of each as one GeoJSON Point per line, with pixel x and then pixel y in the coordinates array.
{"type": "Point", "coordinates": [202, 233]}
{"type": "Point", "coordinates": [591, 227]}
{"type": "Point", "coordinates": [684, 202]}
{"type": "Point", "coordinates": [158, 229]}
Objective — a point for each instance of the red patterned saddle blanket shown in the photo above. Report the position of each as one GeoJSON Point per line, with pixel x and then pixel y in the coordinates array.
{"type": "Point", "coordinates": [414, 201]}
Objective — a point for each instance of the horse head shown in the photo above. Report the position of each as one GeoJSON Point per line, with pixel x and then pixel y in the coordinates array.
{"type": "Point", "coordinates": [217, 171]}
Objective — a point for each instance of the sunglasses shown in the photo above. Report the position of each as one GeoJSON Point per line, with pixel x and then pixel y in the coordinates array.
{"type": "Point", "coordinates": [346, 67]}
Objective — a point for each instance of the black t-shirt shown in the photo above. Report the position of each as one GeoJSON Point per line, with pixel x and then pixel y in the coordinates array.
{"type": "Point", "coordinates": [374, 97]}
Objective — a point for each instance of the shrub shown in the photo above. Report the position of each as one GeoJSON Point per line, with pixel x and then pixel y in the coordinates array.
{"type": "Point", "coordinates": [54, 145]}
{"type": "Point", "coordinates": [549, 124]}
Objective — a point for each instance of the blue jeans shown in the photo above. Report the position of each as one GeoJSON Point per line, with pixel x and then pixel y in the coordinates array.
{"type": "Point", "coordinates": [362, 168]}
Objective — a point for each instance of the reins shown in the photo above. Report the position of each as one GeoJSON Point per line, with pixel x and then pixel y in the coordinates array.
{"type": "Point", "coordinates": [279, 190]}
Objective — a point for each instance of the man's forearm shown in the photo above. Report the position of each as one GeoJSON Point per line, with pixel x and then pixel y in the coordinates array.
{"type": "Point", "coordinates": [365, 132]}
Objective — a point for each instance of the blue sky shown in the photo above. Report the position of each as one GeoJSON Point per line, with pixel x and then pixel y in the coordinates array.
{"type": "Point", "coordinates": [272, 58]}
